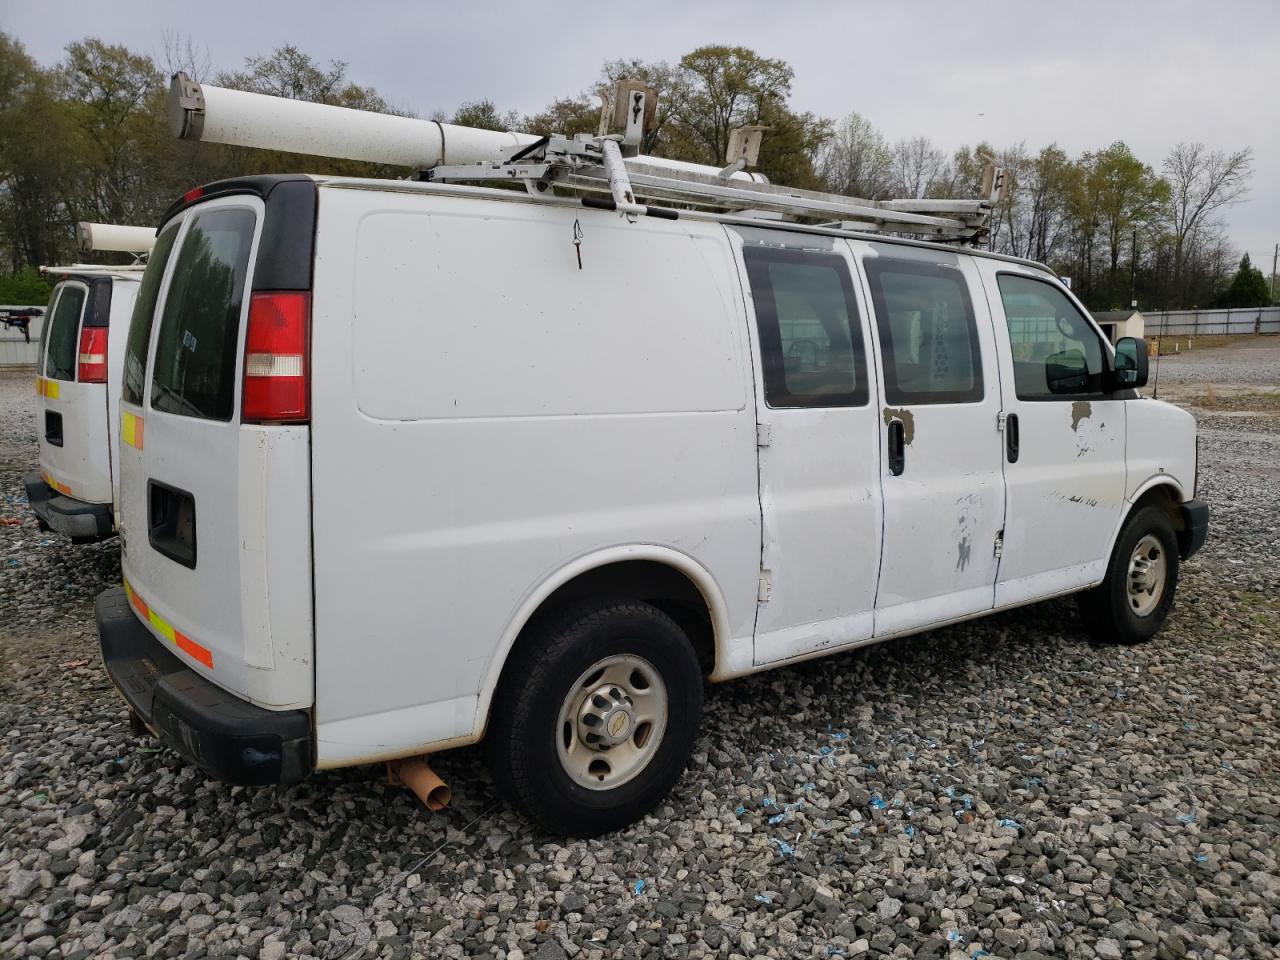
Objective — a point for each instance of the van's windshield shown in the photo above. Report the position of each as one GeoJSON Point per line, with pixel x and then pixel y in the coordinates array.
{"type": "Point", "coordinates": [195, 357]}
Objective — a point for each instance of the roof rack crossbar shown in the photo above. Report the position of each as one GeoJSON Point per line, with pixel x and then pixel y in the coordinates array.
{"type": "Point", "coordinates": [594, 164]}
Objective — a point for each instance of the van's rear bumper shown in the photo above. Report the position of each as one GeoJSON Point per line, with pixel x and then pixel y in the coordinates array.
{"type": "Point", "coordinates": [74, 518]}
{"type": "Point", "coordinates": [231, 739]}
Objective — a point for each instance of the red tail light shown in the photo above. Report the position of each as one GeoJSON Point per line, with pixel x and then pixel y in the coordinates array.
{"type": "Point", "coordinates": [93, 355]}
{"type": "Point", "coordinates": [276, 361]}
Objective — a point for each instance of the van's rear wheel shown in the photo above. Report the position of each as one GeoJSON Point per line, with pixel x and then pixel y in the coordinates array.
{"type": "Point", "coordinates": [595, 717]}
{"type": "Point", "coordinates": [1131, 604]}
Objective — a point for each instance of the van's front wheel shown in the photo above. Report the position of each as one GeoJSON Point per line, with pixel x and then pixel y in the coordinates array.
{"type": "Point", "coordinates": [1132, 603]}
{"type": "Point", "coordinates": [595, 717]}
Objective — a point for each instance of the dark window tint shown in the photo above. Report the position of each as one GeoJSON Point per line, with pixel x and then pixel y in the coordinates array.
{"type": "Point", "coordinates": [45, 323]}
{"type": "Point", "coordinates": [64, 334]}
{"type": "Point", "coordinates": [144, 308]}
{"type": "Point", "coordinates": [195, 360]}
{"type": "Point", "coordinates": [809, 335]}
{"type": "Point", "coordinates": [928, 335]}
{"type": "Point", "coordinates": [1056, 353]}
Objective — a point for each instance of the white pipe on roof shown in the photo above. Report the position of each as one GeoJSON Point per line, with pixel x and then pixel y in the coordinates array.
{"type": "Point", "coordinates": [115, 237]}
{"type": "Point", "coordinates": [199, 111]}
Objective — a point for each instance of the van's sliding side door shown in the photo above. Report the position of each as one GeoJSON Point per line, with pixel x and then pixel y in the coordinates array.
{"type": "Point", "coordinates": [939, 409]}
{"type": "Point", "coordinates": [818, 443]}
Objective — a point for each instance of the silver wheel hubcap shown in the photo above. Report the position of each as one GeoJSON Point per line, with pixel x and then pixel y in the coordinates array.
{"type": "Point", "coordinates": [1148, 568]}
{"type": "Point", "coordinates": [611, 722]}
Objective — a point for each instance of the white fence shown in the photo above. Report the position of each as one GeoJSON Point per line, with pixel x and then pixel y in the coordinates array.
{"type": "Point", "coordinates": [1200, 322]}
{"type": "Point", "coordinates": [15, 349]}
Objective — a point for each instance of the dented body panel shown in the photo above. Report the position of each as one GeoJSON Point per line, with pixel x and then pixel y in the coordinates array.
{"type": "Point", "coordinates": [1066, 491]}
{"type": "Point", "coordinates": [944, 511]}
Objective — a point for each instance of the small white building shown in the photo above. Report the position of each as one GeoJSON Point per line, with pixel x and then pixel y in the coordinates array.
{"type": "Point", "coordinates": [1120, 323]}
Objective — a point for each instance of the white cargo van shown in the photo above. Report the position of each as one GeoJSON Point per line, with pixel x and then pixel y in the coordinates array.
{"type": "Point", "coordinates": [77, 407]}
{"type": "Point", "coordinates": [78, 368]}
{"type": "Point", "coordinates": [425, 465]}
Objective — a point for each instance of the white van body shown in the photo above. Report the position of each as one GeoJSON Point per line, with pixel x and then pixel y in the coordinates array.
{"type": "Point", "coordinates": [495, 427]}
{"type": "Point", "coordinates": [77, 413]}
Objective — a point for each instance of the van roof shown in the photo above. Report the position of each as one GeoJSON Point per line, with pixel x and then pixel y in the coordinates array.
{"type": "Point", "coordinates": [263, 184]}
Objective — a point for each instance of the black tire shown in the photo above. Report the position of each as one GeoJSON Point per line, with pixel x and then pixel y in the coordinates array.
{"type": "Point", "coordinates": [1108, 609]}
{"type": "Point", "coordinates": [521, 743]}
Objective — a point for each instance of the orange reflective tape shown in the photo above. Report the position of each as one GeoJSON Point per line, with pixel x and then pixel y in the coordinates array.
{"type": "Point", "coordinates": [60, 487]}
{"type": "Point", "coordinates": [138, 603]}
{"type": "Point", "coordinates": [195, 651]}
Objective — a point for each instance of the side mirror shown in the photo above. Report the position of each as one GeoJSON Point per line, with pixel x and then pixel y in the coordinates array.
{"type": "Point", "coordinates": [1131, 364]}
{"type": "Point", "coordinates": [1067, 372]}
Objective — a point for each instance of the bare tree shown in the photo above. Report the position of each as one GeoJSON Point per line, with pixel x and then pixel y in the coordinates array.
{"type": "Point", "coordinates": [180, 54]}
{"type": "Point", "coordinates": [1201, 181]}
{"type": "Point", "coordinates": [916, 165]}
{"type": "Point", "coordinates": [856, 161]}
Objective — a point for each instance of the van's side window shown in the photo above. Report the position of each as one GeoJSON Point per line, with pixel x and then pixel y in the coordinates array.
{"type": "Point", "coordinates": [810, 337]}
{"type": "Point", "coordinates": [928, 332]}
{"type": "Point", "coordinates": [64, 334]}
{"type": "Point", "coordinates": [144, 308]}
{"type": "Point", "coordinates": [1056, 352]}
{"type": "Point", "coordinates": [194, 373]}
{"type": "Point", "coordinates": [42, 358]}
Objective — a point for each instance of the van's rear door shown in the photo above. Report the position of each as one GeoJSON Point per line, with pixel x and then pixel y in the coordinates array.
{"type": "Point", "coordinates": [71, 417]}
{"type": "Point", "coordinates": [215, 513]}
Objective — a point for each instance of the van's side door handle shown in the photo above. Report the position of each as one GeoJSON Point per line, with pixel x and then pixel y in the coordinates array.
{"type": "Point", "coordinates": [897, 448]}
{"type": "Point", "coordinates": [1011, 437]}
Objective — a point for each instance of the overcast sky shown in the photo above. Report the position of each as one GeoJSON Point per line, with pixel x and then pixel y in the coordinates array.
{"type": "Point", "coordinates": [1079, 72]}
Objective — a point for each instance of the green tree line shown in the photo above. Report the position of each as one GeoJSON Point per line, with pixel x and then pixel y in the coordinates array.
{"type": "Point", "coordinates": [88, 139]}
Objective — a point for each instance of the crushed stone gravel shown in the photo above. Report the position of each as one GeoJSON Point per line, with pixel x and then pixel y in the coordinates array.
{"type": "Point", "coordinates": [1003, 787]}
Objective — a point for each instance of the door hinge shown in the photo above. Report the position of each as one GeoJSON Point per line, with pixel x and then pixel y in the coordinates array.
{"type": "Point", "coordinates": [764, 434]}
{"type": "Point", "coordinates": [999, 552]}
{"type": "Point", "coordinates": [1001, 417]}
{"type": "Point", "coordinates": [766, 586]}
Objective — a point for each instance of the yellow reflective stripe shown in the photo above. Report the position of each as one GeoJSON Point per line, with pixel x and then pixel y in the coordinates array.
{"type": "Point", "coordinates": [51, 389]}
{"type": "Point", "coordinates": [60, 487]}
{"type": "Point", "coordinates": [164, 626]}
{"type": "Point", "coordinates": [131, 429]}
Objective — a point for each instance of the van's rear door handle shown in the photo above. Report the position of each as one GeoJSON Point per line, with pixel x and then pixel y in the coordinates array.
{"type": "Point", "coordinates": [1011, 437]}
{"type": "Point", "coordinates": [897, 448]}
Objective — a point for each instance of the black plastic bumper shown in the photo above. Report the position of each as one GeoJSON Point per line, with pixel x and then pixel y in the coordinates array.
{"type": "Point", "coordinates": [231, 739]}
{"type": "Point", "coordinates": [74, 518]}
{"type": "Point", "coordinates": [1195, 527]}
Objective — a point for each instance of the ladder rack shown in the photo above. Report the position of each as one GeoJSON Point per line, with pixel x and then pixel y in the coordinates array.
{"type": "Point", "coordinates": [596, 165]}
{"type": "Point", "coordinates": [131, 271]}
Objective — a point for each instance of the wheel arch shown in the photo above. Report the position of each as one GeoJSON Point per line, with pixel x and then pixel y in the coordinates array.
{"type": "Point", "coordinates": [1161, 490]}
{"type": "Point", "coordinates": [673, 581]}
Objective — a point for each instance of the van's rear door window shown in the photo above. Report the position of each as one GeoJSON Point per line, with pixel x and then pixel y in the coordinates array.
{"type": "Point", "coordinates": [144, 308]}
{"type": "Point", "coordinates": [194, 373]}
{"type": "Point", "coordinates": [64, 334]}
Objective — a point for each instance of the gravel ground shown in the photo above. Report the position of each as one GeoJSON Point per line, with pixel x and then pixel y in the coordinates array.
{"type": "Point", "coordinates": [998, 788]}
{"type": "Point", "coordinates": [1251, 365]}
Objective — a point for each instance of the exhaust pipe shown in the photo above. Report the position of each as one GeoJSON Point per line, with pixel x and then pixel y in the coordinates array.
{"type": "Point", "coordinates": [415, 774]}
{"type": "Point", "coordinates": [209, 114]}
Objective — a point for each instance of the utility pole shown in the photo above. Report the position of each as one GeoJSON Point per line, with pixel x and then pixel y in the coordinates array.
{"type": "Point", "coordinates": [1133, 273]}
{"type": "Point", "coordinates": [1275, 255]}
